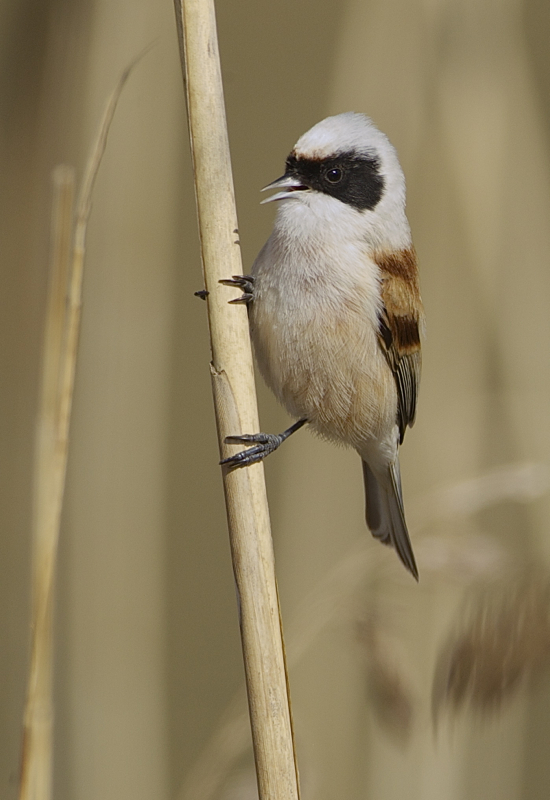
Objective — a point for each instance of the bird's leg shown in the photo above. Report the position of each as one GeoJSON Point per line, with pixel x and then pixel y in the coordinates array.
{"type": "Point", "coordinates": [264, 444]}
{"type": "Point", "coordinates": [244, 282]}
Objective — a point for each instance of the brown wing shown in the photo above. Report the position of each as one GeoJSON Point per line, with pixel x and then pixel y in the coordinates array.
{"type": "Point", "coordinates": [401, 321]}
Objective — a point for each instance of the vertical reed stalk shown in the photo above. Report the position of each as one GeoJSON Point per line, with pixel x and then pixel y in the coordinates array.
{"type": "Point", "coordinates": [36, 773]}
{"type": "Point", "coordinates": [58, 373]}
{"type": "Point", "coordinates": [236, 409]}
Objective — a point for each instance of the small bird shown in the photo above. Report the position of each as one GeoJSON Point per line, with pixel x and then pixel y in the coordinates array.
{"type": "Point", "coordinates": [335, 311]}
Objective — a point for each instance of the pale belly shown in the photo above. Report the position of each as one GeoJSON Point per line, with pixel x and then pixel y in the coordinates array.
{"type": "Point", "coordinates": [324, 363]}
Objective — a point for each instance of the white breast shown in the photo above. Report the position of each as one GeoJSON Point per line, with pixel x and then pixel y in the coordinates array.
{"type": "Point", "coordinates": [314, 323]}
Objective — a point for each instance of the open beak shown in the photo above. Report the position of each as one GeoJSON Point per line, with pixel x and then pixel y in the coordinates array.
{"type": "Point", "coordinates": [288, 183]}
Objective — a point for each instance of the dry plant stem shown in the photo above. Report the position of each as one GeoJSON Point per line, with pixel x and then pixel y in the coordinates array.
{"type": "Point", "coordinates": [236, 409]}
{"type": "Point", "coordinates": [58, 371]}
{"type": "Point", "coordinates": [36, 768]}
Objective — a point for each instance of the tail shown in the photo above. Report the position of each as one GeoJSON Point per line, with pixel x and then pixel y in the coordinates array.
{"type": "Point", "coordinates": [386, 516]}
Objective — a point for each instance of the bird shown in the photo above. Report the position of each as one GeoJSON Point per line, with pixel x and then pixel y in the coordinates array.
{"type": "Point", "coordinates": [335, 311]}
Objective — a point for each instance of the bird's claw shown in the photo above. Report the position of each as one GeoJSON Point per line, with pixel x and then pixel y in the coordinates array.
{"type": "Point", "coordinates": [244, 282]}
{"type": "Point", "coordinates": [264, 444]}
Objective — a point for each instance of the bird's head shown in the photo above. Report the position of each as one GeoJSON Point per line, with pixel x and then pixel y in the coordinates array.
{"type": "Point", "coordinates": [344, 172]}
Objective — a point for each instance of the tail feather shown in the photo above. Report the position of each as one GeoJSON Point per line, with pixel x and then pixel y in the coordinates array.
{"type": "Point", "coordinates": [386, 516]}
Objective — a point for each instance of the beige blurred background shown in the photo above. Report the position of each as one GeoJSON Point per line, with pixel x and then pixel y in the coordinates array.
{"type": "Point", "coordinates": [434, 692]}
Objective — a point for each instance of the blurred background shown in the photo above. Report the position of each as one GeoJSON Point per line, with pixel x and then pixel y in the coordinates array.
{"type": "Point", "coordinates": [436, 691]}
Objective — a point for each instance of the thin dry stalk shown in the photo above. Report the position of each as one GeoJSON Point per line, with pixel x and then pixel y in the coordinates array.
{"type": "Point", "coordinates": [236, 408]}
{"type": "Point", "coordinates": [36, 772]}
{"type": "Point", "coordinates": [58, 371]}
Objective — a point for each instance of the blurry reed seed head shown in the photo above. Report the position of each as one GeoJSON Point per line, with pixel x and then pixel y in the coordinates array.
{"type": "Point", "coordinates": [500, 643]}
{"type": "Point", "coordinates": [391, 697]}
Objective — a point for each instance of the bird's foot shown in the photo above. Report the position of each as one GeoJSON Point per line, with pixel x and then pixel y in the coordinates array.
{"type": "Point", "coordinates": [244, 282]}
{"type": "Point", "coordinates": [263, 445]}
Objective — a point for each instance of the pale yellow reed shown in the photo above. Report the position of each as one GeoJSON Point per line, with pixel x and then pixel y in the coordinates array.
{"type": "Point", "coordinates": [236, 409]}
{"type": "Point", "coordinates": [58, 371]}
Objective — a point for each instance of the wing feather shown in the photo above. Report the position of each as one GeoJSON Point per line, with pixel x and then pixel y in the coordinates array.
{"type": "Point", "coordinates": [400, 326]}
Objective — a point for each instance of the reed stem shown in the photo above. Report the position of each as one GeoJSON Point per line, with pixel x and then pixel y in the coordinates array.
{"type": "Point", "coordinates": [52, 448]}
{"type": "Point", "coordinates": [236, 407]}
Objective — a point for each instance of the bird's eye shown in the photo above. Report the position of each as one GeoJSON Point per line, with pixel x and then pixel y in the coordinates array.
{"type": "Point", "coordinates": [334, 175]}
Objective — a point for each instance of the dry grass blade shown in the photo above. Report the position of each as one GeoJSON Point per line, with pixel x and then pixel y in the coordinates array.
{"type": "Point", "coordinates": [58, 368]}
{"type": "Point", "coordinates": [36, 768]}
